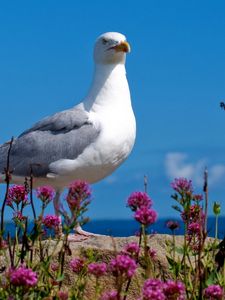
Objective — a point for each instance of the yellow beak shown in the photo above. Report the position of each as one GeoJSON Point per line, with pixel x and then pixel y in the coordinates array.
{"type": "Point", "coordinates": [122, 47]}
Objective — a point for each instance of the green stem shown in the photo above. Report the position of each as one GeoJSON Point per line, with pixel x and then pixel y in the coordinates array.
{"type": "Point", "coordinates": [216, 228]}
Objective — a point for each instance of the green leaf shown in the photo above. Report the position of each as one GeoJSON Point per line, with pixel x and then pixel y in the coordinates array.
{"type": "Point", "coordinates": [177, 208]}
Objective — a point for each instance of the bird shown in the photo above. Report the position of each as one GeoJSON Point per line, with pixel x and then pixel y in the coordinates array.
{"type": "Point", "coordinates": [86, 142]}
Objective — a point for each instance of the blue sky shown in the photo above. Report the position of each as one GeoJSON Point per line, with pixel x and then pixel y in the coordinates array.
{"type": "Point", "coordinates": [176, 72]}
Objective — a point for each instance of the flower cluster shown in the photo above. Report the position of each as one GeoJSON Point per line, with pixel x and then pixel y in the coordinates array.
{"type": "Point", "coordinates": [17, 194]}
{"type": "Point", "coordinates": [77, 265]}
{"type": "Point", "coordinates": [197, 197]}
{"type": "Point", "coordinates": [193, 214]}
{"type": "Point", "coordinates": [139, 199]}
{"type": "Point", "coordinates": [145, 216]}
{"type": "Point", "coordinates": [111, 295]}
{"type": "Point", "coordinates": [214, 292]}
{"type": "Point", "coordinates": [63, 295]}
{"type": "Point", "coordinates": [155, 289]}
{"type": "Point", "coordinates": [22, 276]}
{"type": "Point", "coordinates": [97, 269]}
{"type": "Point", "coordinates": [194, 218]}
{"type": "Point", "coordinates": [51, 221]}
{"type": "Point", "coordinates": [45, 194]}
{"type": "Point", "coordinates": [123, 265]}
{"type": "Point", "coordinates": [152, 253]}
{"type": "Point", "coordinates": [54, 266]}
{"type": "Point", "coordinates": [132, 249]}
{"type": "Point", "coordinates": [182, 185]}
{"type": "Point", "coordinates": [174, 290]}
{"type": "Point", "coordinates": [172, 225]}
{"type": "Point", "coordinates": [18, 217]}
{"type": "Point", "coordinates": [140, 203]}
{"type": "Point", "coordinates": [78, 195]}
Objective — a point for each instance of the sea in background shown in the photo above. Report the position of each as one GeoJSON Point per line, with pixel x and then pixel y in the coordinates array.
{"type": "Point", "coordinates": [125, 228]}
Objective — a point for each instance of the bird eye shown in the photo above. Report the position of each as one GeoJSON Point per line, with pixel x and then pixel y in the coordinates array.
{"type": "Point", "coordinates": [104, 41]}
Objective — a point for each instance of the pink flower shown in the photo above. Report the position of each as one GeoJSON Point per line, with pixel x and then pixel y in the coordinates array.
{"type": "Point", "coordinates": [150, 294]}
{"type": "Point", "coordinates": [22, 276]}
{"type": "Point", "coordinates": [45, 193]}
{"type": "Point", "coordinates": [153, 290]}
{"type": "Point", "coordinates": [214, 292]}
{"type": "Point", "coordinates": [111, 295]}
{"type": "Point", "coordinates": [54, 266]}
{"type": "Point", "coordinates": [63, 295]}
{"type": "Point", "coordinates": [194, 214]}
{"type": "Point", "coordinates": [194, 228]}
{"type": "Point", "coordinates": [18, 217]}
{"type": "Point", "coordinates": [131, 249]}
{"type": "Point", "coordinates": [145, 215]}
{"type": "Point", "coordinates": [3, 244]}
{"type": "Point", "coordinates": [174, 290]}
{"type": "Point", "coordinates": [97, 269]}
{"type": "Point", "coordinates": [123, 265]}
{"type": "Point", "coordinates": [182, 185]}
{"type": "Point", "coordinates": [152, 253]}
{"type": "Point", "coordinates": [77, 265]}
{"type": "Point", "coordinates": [78, 194]}
{"type": "Point", "coordinates": [197, 197]}
{"type": "Point", "coordinates": [17, 194]}
{"type": "Point", "coordinates": [51, 221]}
{"type": "Point", "coordinates": [172, 225]}
{"type": "Point", "coordinates": [153, 284]}
{"type": "Point", "coordinates": [139, 199]}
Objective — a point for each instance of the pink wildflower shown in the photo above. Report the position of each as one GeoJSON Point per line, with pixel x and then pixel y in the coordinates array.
{"type": "Point", "coordinates": [145, 216]}
{"type": "Point", "coordinates": [153, 290]}
{"type": "Point", "coordinates": [45, 193]}
{"type": "Point", "coordinates": [152, 253]}
{"type": "Point", "coordinates": [172, 225]}
{"type": "Point", "coordinates": [17, 194]}
{"type": "Point", "coordinates": [194, 228]}
{"type": "Point", "coordinates": [197, 197]}
{"type": "Point", "coordinates": [51, 221]}
{"type": "Point", "coordinates": [182, 185]}
{"type": "Point", "coordinates": [54, 266]}
{"type": "Point", "coordinates": [97, 269]}
{"type": "Point", "coordinates": [153, 284]}
{"type": "Point", "coordinates": [123, 265]}
{"type": "Point", "coordinates": [174, 290]}
{"type": "Point", "coordinates": [77, 265]}
{"type": "Point", "coordinates": [63, 295]}
{"type": "Point", "coordinates": [139, 199]}
{"type": "Point", "coordinates": [111, 295]}
{"type": "Point", "coordinates": [131, 249]}
{"type": "Point", "coordinates": [194, 214]}
{"type": "Point", "coordinates": [3, 244]}
{"type": "Point", "coordinates": [78, 194]}
{"type": "Point", "coordinates": [22, 276]}
{"type": "Point", "coordinates": [18, 217]}
{"type": "Point", "coordinates": [214, 292]}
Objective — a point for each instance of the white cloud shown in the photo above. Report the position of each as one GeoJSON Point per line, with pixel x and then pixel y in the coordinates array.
{"type": "Point", "coordinates": [216, 173]}
{"type": "Point", "coordinates": [177, 165]}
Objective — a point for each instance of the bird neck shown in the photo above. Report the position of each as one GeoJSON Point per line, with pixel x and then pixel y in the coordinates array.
{"type": "Point", "coordinates": [109, 82]}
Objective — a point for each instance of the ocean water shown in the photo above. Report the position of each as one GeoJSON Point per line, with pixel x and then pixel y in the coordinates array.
{"type": "Point", "coordinates": [125, 228]}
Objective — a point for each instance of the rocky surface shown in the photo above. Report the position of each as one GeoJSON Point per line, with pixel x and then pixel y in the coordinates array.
{"type": "Point", "coordinates": [105, 247]}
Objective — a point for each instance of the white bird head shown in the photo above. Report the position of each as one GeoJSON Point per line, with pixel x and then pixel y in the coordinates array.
{"type": "Point", "coordinates": [111, 48]}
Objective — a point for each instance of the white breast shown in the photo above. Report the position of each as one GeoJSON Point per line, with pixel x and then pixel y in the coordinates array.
{"type": "Point", "coordinates": [109, 107]}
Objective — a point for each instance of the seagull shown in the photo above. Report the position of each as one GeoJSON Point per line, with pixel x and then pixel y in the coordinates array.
{"type": "Point", "coordinates": [88, 141]}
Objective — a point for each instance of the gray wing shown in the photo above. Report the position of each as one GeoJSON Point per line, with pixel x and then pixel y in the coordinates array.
{"type": "Point", "coordinates": [64, 135]}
